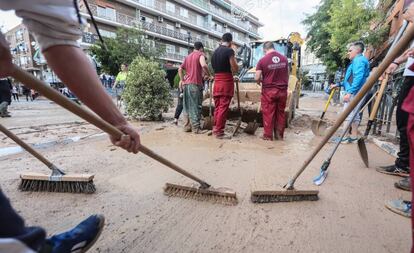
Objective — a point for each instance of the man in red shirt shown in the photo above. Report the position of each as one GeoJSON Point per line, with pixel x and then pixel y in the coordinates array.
{"type": "Point", "coordinates": [224, 65]}
{"type": "Point", "coordinates": [192, 85]}
{"type": "Point", "coordinates": [272, 73]}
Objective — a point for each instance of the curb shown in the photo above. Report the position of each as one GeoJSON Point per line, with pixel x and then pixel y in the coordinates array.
{"type": "Point", "coordinates": [386, 146]}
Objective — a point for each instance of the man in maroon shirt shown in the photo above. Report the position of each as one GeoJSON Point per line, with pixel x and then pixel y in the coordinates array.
{"type": "Point", "coordinates": [192, 85]}
{"type": "Point", "coordinates": [272, 73]}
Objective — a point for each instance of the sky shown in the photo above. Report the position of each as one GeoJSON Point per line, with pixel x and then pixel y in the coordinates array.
{"type": "Point", "coordinates": [280, 17]}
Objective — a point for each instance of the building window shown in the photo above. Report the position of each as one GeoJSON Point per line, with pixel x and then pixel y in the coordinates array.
{"type": "Point", "coordinates": [183, 51]}
{"type": "Point", "coordinates": [107, 34]}
{"type": "Point", "coordinates": [183, 31]}
{"type": "Point", "coordinates": [149, 20]}
{"type": "Point", "coordinates": [200, 20]}
{"type": "Point", "coordinates": [19, 34]}
{"type": "Point", "coordinates": [184, 12]}
{"type": "Point", "coordinates": [169, 27]}
{"type": "Point", "coordinates": [170, 49]}
{"type": "Point", "coordinates": [106, 12]}
{"type": "Point", "coordinates": [170, 7]}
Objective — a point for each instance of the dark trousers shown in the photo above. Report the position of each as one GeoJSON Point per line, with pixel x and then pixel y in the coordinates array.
{"type": "Point", "coordinates": [402, 121]}
{"type": "Point", "coordinates": [12, 226]}
{"type": "Point", "coordinates": [15, 96]}
{"type": "Point", "coordinates": [179, 108]}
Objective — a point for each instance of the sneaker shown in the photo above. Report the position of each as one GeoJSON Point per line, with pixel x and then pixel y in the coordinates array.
{"type": "Point", "coordinates": [338, 139]}
{"type": "Point", "coordinates": [404, 184]}
{"type": "Point", "coordinates": [394, 170]}
{"type": "Point", "coordinates": [199, 131]}
{"type": "Point", "coordinates": [81, 238]}
{"type": "Point", "coordinates": [175, 122]}
{"type": "Point", "coordinates": [223, 137]}
{"type": "Point", "coordinates": [352, 140]}
{"type": "Point", "coordinates": [401, 207]}
{"type": "Point", "coordinates": [266, 138]}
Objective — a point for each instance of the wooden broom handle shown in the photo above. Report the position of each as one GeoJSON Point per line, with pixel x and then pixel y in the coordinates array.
{"type": "Point", "coordinates": [44, 89]}
{"type": "Point", "coordinates": [26, 146]}
{"type": "Point", "coordinates": [378, 98]}
{"type": "Point", "coordinates": [394, 53]}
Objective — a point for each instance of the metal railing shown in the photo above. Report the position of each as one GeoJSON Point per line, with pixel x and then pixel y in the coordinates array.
{"type": "Point", "coordinates": [174, 56]}
{"type": "Point", "coordinates": [385, 115]}
{"type": "Point", "coordinates": [192, 19]}
{"type": "Point", "coordinates": [134, 22]}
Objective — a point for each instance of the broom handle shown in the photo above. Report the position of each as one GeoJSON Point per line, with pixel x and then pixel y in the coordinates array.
{"type": "Point", "coordinates": [384, 82]}
{"type": "Point", "coordinates": [25, 146]}
{"type": "Point", "coordinates": [394, 53]}
{"type": "Point", "coordinates": [378, 97]}
{"type": "Point", "coordinates": [44, 89]}
{"type": "Point", "coordinates": [327, 103]}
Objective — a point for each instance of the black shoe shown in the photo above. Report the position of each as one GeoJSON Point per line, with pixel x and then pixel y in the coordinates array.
{"type": "Point", "coordinates": [394, 170]}
{"type": "Point", "coordinates": [404, 184]}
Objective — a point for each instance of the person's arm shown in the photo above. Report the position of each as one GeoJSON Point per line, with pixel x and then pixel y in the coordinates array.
{"type": "Point", "coordinates": [258, 75]}
{"type": "Point", "coordinates": [358, 71]}
{"type": "Point", "coordinates": [181, 75]}
{"type": "Point", "coordinates": [233, 64]}
{"type": "Point", "coordinates": [204, 65]}
{"type": "Point", "coordinates": [6, 62]}
{"type": "Point", "coordinates": [82, 80]}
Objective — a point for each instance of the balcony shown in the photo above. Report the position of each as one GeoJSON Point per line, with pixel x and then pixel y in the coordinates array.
{"type": "Point", "coordinates": [218, 12]}
{"type": "Point", "coordinates": [173, 56]}
{"type": "Point", "coordinates": [153, 4]}
{"type": "Point", "coordinates": [145, 26]}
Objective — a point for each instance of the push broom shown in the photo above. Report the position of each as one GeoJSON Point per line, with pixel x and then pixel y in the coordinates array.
{"type": "Point", "coordinates": [57, 181]}
{"type": "Point", "coordinates": [203, 192]}
{"type": "Point", "coordinates": [290, 193]}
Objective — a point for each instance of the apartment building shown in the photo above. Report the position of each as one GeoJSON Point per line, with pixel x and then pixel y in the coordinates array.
{"type": "Point", "coordinates": [23, 49]}
{"type": "Point", "coordinates": [175, 24]}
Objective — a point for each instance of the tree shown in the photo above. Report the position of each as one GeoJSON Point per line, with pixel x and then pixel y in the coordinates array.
{"type": "Point", "coordinates": [319, 36]}
{"type": "Point", "coordinates": [336, 23]}
{"type": "Point", "coordinates": [124, 48]}
{"type": "Point", "coordinates": [147, 92]}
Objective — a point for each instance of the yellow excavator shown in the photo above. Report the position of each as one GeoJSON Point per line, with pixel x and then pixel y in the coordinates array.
{"type": "Point", "coordinates": [250, 92]}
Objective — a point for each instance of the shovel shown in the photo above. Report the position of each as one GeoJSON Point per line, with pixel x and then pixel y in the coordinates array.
{"type": "Point", "coordinates": [209, 120]}
{"type": "Point", "coordinates": [253, 126]}
{"type": "Point", "coordinates": [319, 126]}
{"type": "Point", "coordinates": [239, 108]}
{"type": "Point", "coordinates": [362, 148]}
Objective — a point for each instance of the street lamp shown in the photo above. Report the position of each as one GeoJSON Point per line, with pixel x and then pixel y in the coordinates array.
{"type": "Point", "coordinates": [188, 41]}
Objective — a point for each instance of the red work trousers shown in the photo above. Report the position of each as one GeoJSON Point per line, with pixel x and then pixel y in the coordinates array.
{"type": "Point", "coordinates": [221, 104]}
{"type": "Point", "coordinates": [273, 109]}
{"type": "Point", "coordinates": [410, 134]}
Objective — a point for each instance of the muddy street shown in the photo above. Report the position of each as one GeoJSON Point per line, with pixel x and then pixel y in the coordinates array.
{"type": "Point", "coordinates": [349, 216]}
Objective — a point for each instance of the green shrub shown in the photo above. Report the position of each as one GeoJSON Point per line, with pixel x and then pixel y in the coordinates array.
{"type": "Point", "coordinates": [147, 94]}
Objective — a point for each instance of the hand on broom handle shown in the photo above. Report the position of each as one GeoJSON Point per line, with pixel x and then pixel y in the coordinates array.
{"type": "Point", "coordinates": [36, 84]}
{"type": "Point", "coordinates": [399, 49]}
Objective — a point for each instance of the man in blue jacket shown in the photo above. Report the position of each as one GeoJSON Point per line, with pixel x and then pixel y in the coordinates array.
{"type": "Point", "coordinates": [356, 75]}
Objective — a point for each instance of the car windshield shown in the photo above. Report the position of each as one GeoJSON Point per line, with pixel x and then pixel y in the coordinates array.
{"type": "Point", "coordinates": [258, 51]}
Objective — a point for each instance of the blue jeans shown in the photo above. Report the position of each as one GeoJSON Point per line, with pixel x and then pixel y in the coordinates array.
{"type": "Point", "coordinates": [12, 226]}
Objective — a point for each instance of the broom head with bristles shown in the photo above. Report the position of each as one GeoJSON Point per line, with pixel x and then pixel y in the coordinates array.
{"type": "Point", "coordinates": [73, 183]}
{"type": "Point", "coordinates": [217, 195]}
{"type": "Point", "coordinates": [284, 196]}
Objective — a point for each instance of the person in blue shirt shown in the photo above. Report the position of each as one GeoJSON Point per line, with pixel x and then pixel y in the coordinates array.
{"type": "Point", "coordinates": [355, 77]}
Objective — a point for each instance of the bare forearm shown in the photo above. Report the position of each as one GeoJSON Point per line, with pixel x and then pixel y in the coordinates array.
{"type": "Point", "coordinates": [82, 79]}
{"type": "Point", "coordinates": [180, 73]}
